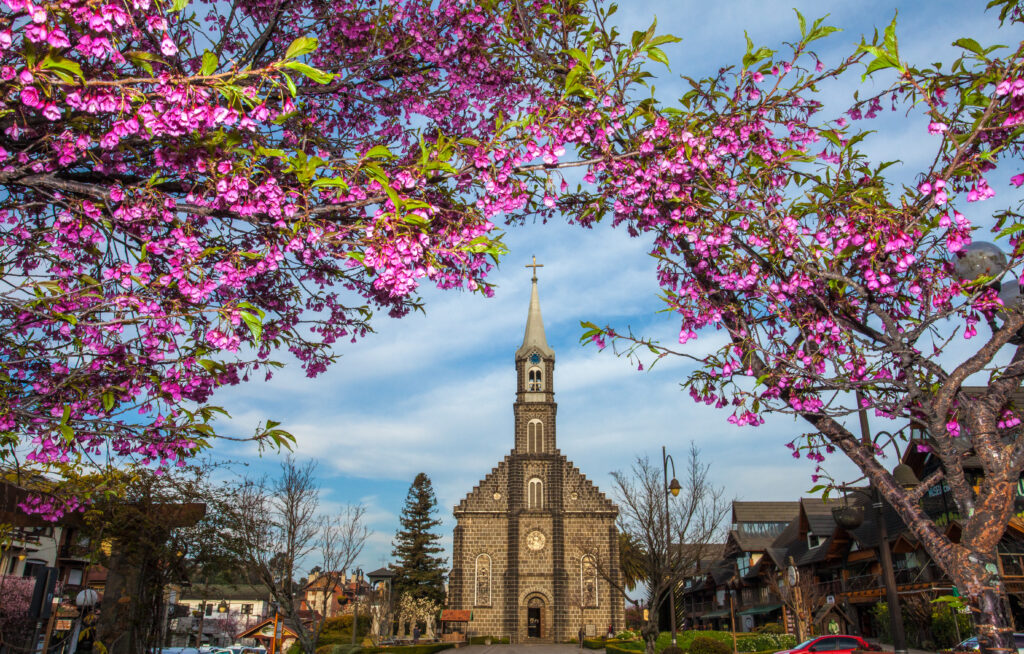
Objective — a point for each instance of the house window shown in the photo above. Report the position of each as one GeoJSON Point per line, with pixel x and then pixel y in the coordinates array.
{"type": "Point", "coordinates": [31, 566]}
{"type": "Point", "coordinates": [535, 495]}
{"type": "Point", "coordinates": [535, 380]}
{"type": "Point", "coordinates": [247, 609]}
{"type": "Point", "coordinates": [588, 581]}
{"type": "Point", "coordinates": [743, 563]}
{"type": "Point", "coordinates": [482, 588]}
{"type": "Point", "coordinates": [75, 577]}
{"type": "Point", "coordinates": [535, 436]}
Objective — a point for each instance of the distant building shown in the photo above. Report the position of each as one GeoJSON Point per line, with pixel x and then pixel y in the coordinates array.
{"type": "Point", "coordinates": [535, 537]}
{"type": "Point", "coordinates": [222, 611]}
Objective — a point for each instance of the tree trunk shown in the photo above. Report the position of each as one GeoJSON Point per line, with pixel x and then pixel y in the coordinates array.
{"type": "Point", "coordinates": [978, 578]}
{"type": "Point", "coordinates": [650, 633]}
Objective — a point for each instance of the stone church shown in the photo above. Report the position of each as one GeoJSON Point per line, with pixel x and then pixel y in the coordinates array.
{"type": "Point", "coordinates": [535, 543]}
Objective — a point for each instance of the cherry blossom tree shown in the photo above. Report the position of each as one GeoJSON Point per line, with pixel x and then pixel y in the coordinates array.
{"type": "Point", "coordinates": [189, 186]}
{"type": "Point", "coordinates": [841, 290]}
{"type": "Point", "coordinates": [15, 598]}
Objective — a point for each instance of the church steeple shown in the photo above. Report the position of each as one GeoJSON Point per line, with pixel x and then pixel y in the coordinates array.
{"type": "Point", "coordinates": [534, 339]}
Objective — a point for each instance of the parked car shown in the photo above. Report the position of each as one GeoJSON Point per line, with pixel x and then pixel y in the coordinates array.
{"type": "Point", "coordinates": [971, 644]}
{"type": "Point", "coordinates": [833, 644]}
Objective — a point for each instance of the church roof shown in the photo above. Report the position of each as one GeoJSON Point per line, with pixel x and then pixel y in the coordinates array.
{"type": "Point", "coordinates": [534, 337]}
{"type": "Point", "coordinates": [589, 498]}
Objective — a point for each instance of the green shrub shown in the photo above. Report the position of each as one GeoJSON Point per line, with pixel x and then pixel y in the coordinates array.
{"type": "Point", "coordinates": [625, 648]}
{"type": "Point", "coordinates": [593, 643]}
{"type": "Point", "coordinates": [428, 648]}
{"type": "Point", "coordinates": [672, 649]}
{"type": "Point", "coordinates": [764, 641]}
{"type": "Point", "coordinates": [347, 648]}
{"type": "Point", "coordinates": [480, 640]}
{"type": "Point", "coordinates": [708, 645]}
{"type": "Point", "coordinates": [770, 628]}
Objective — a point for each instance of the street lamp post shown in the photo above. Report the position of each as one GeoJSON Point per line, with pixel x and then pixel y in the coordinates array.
{"type": "Point", "coordinates": [85, 600]}
{"type": "Point", "coordinates": [355, 605]}
{"type": "Point", "coordinates": [851, 520]}
{"type": "Point", "coordinates": [672, 488]}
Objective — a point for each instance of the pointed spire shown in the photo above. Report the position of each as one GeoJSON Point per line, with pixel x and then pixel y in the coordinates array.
{"type": "Point", "coordinates": [534, 337]}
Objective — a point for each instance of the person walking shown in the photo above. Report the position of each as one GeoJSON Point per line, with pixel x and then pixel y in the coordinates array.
{"type": "Point", "coordinates": [415, 634]}
{"type": "Point", "coordinates": [582, 633]}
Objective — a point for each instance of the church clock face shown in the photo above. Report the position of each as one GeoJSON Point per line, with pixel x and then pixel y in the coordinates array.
{"type": "Point", "coordinates": [535, 541]}
{"type": "Point", "coordinates": [534, 358]}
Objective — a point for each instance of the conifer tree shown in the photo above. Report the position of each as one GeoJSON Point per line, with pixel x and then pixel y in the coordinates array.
{"type": "Point", "coordinates": [420, 571]}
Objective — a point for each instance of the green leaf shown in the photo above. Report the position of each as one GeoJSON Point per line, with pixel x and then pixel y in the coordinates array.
{"type": "Point", "coordinates": [178, 5]}
{"type": "Point", "coordinates": [209, 63]}
{"type": "Point", "coordinates": [969, 44]}
{"type": "Point", "coordinates": [290, 84]}
{"type": "Point", "coordinates": [255, 325]}
{"type": "Point", "coordinates": [890, 40]}
{"type": "Point", "coordinates": [108, 400]}
{"type": "Point", "coordinates": [330, 181]}
{"type": "Point", "coordinates": [56, 62]}
{"type": "Point", "coordinates": [68, 433]}
{"type": "Point", "coordinates": [315, 74]}
{"type": "Point", "coordinates": [665, 38]}
{"type": "Point", "coordinates": [656, 54]}
{"type": "Point", "coordinates": [803, 23]}
{"type": "Point", "coordinates": [379, 152]}
{"type": "Point", "coordinates": [1012, 229]}
{"type": "Point", "coordinates": [301, 46]}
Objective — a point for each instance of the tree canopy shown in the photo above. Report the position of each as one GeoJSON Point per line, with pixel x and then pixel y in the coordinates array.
{"type": "Point", "coordinates": [189, 187]}
{"type": "Point", "coordinates": [419, 570]}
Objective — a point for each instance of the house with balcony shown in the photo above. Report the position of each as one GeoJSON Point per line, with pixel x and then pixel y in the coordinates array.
{"type": "Point", "coordinates": [218, 611]}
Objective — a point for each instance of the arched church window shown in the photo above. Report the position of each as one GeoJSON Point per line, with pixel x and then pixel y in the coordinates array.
{"type": "Point", "coordinates": [535, 436]}
{"type": "Point", "coordinates": [482, 587]}
{"type": "Point", "coordinates": [588, 581]}
{"type": "Point", "coordinates": [535, 494]}
{"type": "Point", "coordinates": [535, 380]}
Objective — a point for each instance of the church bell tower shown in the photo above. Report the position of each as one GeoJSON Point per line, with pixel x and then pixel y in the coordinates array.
{"type": "Point", "coordinates": [535, 376]}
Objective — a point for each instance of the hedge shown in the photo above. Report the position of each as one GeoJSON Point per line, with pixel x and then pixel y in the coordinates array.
{"type": "Point", "coordinates": [481, 640]}
{"type": "Point", "coordinates": [593, 643]}
{"type": "Point", "coordinates": [429, 648]}
{"type": "Point", "coordinates": [747, 643]}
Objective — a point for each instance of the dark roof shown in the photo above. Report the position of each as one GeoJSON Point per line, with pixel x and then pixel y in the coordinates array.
{"type": "Point", "coordinates": [214, 592]}
{"type": "Point", "coordinates": [764, 511]}
{"type": "Point", "coordinates": [381, 572]}
{"type": "Point", "coordinates": [818, 513]}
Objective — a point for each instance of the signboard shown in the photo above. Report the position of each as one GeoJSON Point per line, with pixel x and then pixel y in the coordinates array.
{"type": "Point", "coordinates": [830, 599]}
{"type": "Point", "coordinates": [62, 625]}
{"type": "Point", "coordinates": [591, 630]}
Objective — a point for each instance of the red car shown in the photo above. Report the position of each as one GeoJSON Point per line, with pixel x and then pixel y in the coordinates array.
{"type": "Point", "coordinates": [837, 644]}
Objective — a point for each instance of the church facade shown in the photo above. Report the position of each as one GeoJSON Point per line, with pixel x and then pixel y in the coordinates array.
{"type": "Point", "coordinates": [535, 543]}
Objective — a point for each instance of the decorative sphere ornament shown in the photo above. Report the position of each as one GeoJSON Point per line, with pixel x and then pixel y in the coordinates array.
{"type": "Point", "coordinates": [86, 598]}
{"type": "Point", "coordinates": [1012, 296]}
{"type": "Point", "coordinates": [979, 259]}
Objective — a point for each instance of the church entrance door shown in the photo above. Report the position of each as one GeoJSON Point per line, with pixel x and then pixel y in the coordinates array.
{"type": "Point", "coordinates": [533, 622]}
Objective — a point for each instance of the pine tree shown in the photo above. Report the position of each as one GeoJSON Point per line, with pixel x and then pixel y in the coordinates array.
{"type": "Point", "coordinates": [420, 572]}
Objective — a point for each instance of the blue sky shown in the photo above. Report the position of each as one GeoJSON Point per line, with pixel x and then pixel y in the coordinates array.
{"type": "Point", "coordinates": [434, 393]}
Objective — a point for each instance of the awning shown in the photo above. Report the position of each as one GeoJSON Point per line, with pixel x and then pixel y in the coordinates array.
{"type": "Point", "coordinates": [714, 614]}
{"type": "Point", "coordinates": [455, 615]}
{"type": "Point", "coordinates": [760, 610]}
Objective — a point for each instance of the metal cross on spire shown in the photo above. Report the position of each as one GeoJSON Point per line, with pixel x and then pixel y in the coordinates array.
{"type": "Point", "coordinates": [535, 266]}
